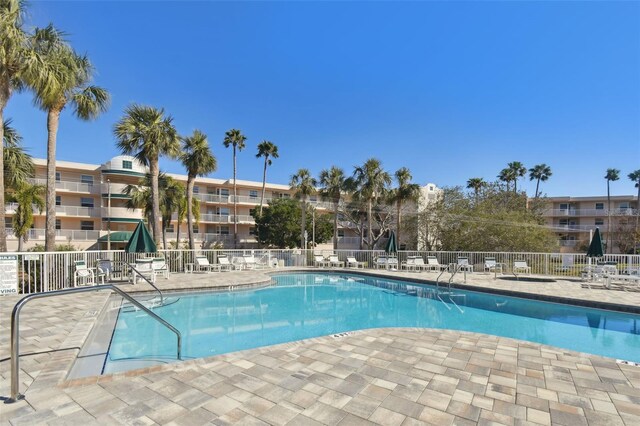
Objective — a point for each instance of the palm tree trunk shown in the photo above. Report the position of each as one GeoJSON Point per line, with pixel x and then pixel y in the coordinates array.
{"type": "Point", "coordinates": [164, 234]}
{"type": "Point", "coordinates": [537, 186]}
{"type": "Point", "coordinates": [608, 217]}
{"type": "Point", "coordinates": [53, 119]}
{"type": "Point", "coordinates": [235, 201]}
{"type": "Point", "coordinates": [515, 185]}
{"type": "Point", "coordinates": [335, 224]}
{"type": "Point", "coordinates": [264, 182]}
{"type": "Point", "coordinates": [361, 246]}
{"type": "Point", "coordinates": [3, 229]}
{"type": "Point", "coordinates": [635, 236]}
{"type": "Point", "coordinates": [303, 225]}
{"type": "Point", "coordinates": [21, 243]}
{"type": "Point", "coordinates": [190, 184]}
{"type": "Point", "coordinates": [369, 225]}
{"type": "Point", "coordinates": [178, 235]}
{"type": "Point", "coordinates": [154, 170]}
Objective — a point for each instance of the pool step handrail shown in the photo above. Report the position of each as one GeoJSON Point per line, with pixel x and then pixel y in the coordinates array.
{"type": "Point", "coordinates": [15, 328]}
{"type": "Point", "coordinates": [135, 271]}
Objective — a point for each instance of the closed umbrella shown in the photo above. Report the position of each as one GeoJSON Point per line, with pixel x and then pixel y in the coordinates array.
{"type": "Point", "coordinates": [595, 248]}
{"type": "Point", "coordinates": [391, 247]}
{"type": "Point", "coordinates": [140, 241]}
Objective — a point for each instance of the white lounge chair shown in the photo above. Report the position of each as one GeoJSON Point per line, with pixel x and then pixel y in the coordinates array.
{"type": "Point", "coordinates": [249, 261]}
{"type": "Point", "coordinates": [392, 263]}
{"type": "Point", "coordinates": [381, 262]}
{"type": "Point", "coordinates": [224, 264]}
{"type": "Point", "coordinates": [464, 265]}
{"type": "Point", "coordinates": [144, 269]}
{"type": "Point", "coordinates": [83, 275]}
{"type": "Point", "coordinates": [319, 261]}
{"type": "Point", "coordinates": [490, 265]}
{"type": "Point", "coordinates": [202, 264]}
{"type": "Point", "coordinates": [626, 282]}
{"type": "Point", "coordinates": [418, 264]}
{"type": "Point", "coordinates": [160, 267]}
{"type": "Point", "coordinates": [409, 264]}
{"type": "Point", "coordinates": [353, 263]}
{"type": "Point", "coordinates": [434, 265]}
{"type": "Point", "coordinates": [520, 266]}
{"type": "Point", "coordinates": [334, 260]}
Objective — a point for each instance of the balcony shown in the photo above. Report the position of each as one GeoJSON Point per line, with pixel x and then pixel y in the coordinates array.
{"type": "Point", "coordinates": [116, 190]}
{"type": "Point", "coordinates": [61, 235]}
{"type": "Point", "coordinates": [221, 218]}
{"type": "Point", "coordinates": [213, 198]}
{"type": "Point", "coordinates": [591, 212]}
{"type": "Point", "coordinates": [578, 228]}
{"type": "Point", "coordinates": [71, 186]}
{"type": "Point", "coordinates": [72, 211]}
{"type": "Point", "coordinates": [121, 213]}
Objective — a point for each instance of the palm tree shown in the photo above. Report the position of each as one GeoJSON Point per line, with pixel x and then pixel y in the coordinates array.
{"type": "Point", "coordinates": [172, 197]}
{"type": "Point", "coordinates": [199, 161]}
{"type": "Point", "coordinates": [635, 177]}
{"type": "Point", "coordinates": [518, 170]}
{"type": "Point", "coordinates": [332, 183]}
{"type": "Point", "coordinates": [66, 82]}
{"type": "Point", "coordinates": [372, 182]}
{"type": "Point", "coordinates": [27, 196]}
{"type": "Point", "coordinates": [147, 134]}
{"type": "Point", "coordinates": [406, 191]}
{"type": "Point", "coordinates": [539, 172]}
{"type": "Point", "coordinates": [476, 184]}
{"type": "Point", "coordinates": [507, 176]}
{"type": "Point", "coordinates": [612, 175]}
{"type": "Point", "coordinates": [266, 149]}
{"type": "Point", "coordinates": [181, 215]}
{"type": "Point", "coordinates": [235, 138]}
{"type": "Point", "coordinates": [18, 166]}
{"type": "Point", "coordinates": [304, 186]}
{"type": "Point", "coordinates": [19, 64]}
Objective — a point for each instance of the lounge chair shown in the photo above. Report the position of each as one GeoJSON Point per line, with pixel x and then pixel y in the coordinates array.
{"type": "Point", "coordinates": [334, 260]}
{"type": "Point", "coordinates": [381, 262]}
{"type": "Point", "coordinates": [353, 263]}
{"type": "Point", "coordinates": [202, 264]}
{"type": "Point", "coordinates": [464, 265]}
{"type": "Point", "coordinates": [224, 264]}
{"type": "Point", "coordinates": [490, 265]}
{"type": "Point", "coordinates": [319, 261]}
{"type": "Point", "coordinates": [409, 264]}
{"type": "Point", "coordinates": [627, 282]}
{"type": "Point", "coordinates": [434, 265]}
{"type": "Point", "coordinates": [419, 265]}
{"type": "Point", "coordinates": [249, 261]}
{"type": "Point", "coordinates": [392, 263]}
{"type": "Point", "coordinates": [160, 267]}
{"type": "Point", "coordinates": [106, 270]}
{"type": "Point", "coordinates": [83, 275]}
{"type": "Point", "coordinates": [520, 266]}
{"type": "Point", "coordinates": [144, 269]}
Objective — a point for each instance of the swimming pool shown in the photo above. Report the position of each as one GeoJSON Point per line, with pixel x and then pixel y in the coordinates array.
{"type": "Point", "coordinates": [303, 305]}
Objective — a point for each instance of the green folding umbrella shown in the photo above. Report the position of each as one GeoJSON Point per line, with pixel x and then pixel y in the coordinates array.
{"type": "Point", "coordinates": [595, 248]}
{"type": "Point", "coordinates": [391, 247]}
{"type": "Point", "coordinates": [140, 241]}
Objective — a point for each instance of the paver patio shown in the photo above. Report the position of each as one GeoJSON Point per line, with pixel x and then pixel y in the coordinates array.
{"type": "Point", "coordinates": [382, 376]}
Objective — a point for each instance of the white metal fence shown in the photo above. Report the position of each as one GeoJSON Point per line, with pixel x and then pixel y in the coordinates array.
{"type": "Point", "coordinates": [47, 271]}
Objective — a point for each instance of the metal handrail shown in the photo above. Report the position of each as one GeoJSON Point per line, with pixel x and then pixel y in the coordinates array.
{"type": "Point", "coordinates": [15, 328]}
{"type": "Point", "coordinates": [147, 280]}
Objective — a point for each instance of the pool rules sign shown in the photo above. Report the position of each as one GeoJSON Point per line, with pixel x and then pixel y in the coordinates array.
{"type": "Point", "coordinates": [8, 274]}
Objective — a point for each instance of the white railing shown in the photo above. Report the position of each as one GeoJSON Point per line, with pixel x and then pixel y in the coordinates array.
{"type": "Point", "coordinates": [222, 218]}
{"type": "Point", "coordinates": [71, 185]}
{"type": "Point", "coordinates": [66, 234]}
{"type": "Point", "coordinates": [591, 212]}
{"type": "Point", "coordinates": [213, 198]}
{"type": "Point", "coordinates": [121, 212]}
{"type": "Point", "coordinates": [78, 211]}
{"type": "Point", "coordinates": [564, 228]}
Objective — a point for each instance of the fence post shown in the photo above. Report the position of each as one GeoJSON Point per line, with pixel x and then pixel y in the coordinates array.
{"type": "Point", "coordinates": [546, 264]}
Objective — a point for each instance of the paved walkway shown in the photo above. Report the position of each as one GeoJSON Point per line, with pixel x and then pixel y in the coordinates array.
{"type": "Point", "coordinates": [384, 376]}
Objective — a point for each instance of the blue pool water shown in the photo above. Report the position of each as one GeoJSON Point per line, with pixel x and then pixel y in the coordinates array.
{"type": "Point", "coordinates": [300, 306]}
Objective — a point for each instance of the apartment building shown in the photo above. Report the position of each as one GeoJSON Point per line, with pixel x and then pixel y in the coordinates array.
{"type": "Point", "coordinates": [573, 219]}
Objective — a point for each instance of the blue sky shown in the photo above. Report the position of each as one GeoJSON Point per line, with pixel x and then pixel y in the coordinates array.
{"type": "Point", "coordinates": [451, 90]}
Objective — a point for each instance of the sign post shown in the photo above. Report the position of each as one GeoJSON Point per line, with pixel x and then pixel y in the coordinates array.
{"type": "Point", "coordinates": [8, 274]}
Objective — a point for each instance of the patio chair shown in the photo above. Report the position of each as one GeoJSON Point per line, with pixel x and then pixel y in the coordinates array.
{"type": "Point", "coordinates": [464, 265]}
{"type": "Point", "coordinates": [434, 265]}
{"type": "Point", "coordinates": [520, 266]}
{"type": "Point", "coordinates": [626, 282]}
{"type": "Point", "coordinates": [490, 265]}
{"type": "Point", "coordinates": [319, 261]}
{"type": "Point", "coordinates": [160, 267]}
{"type": "Point", "coordinates": [380, 262]}
{"type": "Point", "coordinates": [409, 264]}
{"type": "Point", "coordinates": [224, 264]}
{"type": "Point", "coordinates": [334, 260]}
{"type": "Point", "coordinates": [144, 269]}
{"type": "Point", "coordinates": [353, 263]}
{"type": "Point", "coordinates": [83, 275]}
{"type": "Point", "coordinates": [106, 270]}
{"type": "Point", "coordinates": [249, 261]}
{"type": "Point", "coordinates": [392, 263]}
{"type": "Point", "coordinates": [419, 265]}
{"type": "Point", "coordinates": [202, 264]}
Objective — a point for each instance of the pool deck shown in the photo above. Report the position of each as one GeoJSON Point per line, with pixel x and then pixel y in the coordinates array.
{"type": "Point", "coordinates": [388, 376]}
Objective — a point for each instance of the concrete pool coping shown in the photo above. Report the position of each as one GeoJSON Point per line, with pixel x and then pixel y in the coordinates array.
{"type": "Point", "coordinates": [51, 375]}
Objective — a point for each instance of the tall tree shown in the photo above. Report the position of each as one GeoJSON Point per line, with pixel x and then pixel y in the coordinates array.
{"type": "Point", "coordinates": [236, 139]}
{"type": "Point", "coordinates": [181, 215]}
{"type": "Point", "coordinates": [332, 185]}
{"type": "Point", "coordinates": [19, 65]}
{"type": "Point", "coordinates": [611, 176]}
{"type": "Point", "coordinates": [304, 186]}
{"type": "Point", "coordinates": [507, 176]}
{"type": "Point", "coordinates": [476, 184]}
{"type": "Point", "coordinates": [199, 161]}
{"type": "Point", "coordinates": [170, 202]}
{"type": "Point", "coordinates": [27, 196]}
{"type": "Point", "coordinates": [372, 183]}
{"type": "Point", "coordinates": [147, 134]}
{"type": "Point", "coordinates": [268, 150]}
{"type": "Point", "coordinates": [518, 170]}
{"type": "Point", "coordinates": [66, 83]}
{"type": "Point", "coordinates": [635, 177]}
{"type": "Point", "coordinates": [539, 172]}
{"type": "Point", "coordinates": [18, 166]}
{"type": "Point", "coordinates": [405, 192]}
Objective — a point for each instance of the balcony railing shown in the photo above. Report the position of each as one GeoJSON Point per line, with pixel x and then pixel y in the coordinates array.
{"type": "Point", "coordinates": [221, 218]}
{"type": "Point", "coordinates": [71, 186]}
{"type": "Point", "coordinates": [255, 201]}
{"type": "Point", "coordinates": [591, 212]}
{"type": "Point", "coordinates": [121, 212]}
{"type": "Point", "coordinates": [578, 228]}
{"type": "Point", "coordinates": [79, 211]}
{"type": "Point", "coordinates": [61, 234]}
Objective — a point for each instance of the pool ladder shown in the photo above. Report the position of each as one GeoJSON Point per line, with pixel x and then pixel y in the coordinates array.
{"type": "Point", "coordinates": [15, 327]}
{"type": "Point", "coordinates": [455, 268]}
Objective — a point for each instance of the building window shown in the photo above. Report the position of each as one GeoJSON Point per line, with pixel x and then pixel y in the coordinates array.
{"type": "Point", "coordinates": [430, 188]}
{"type": "Point", "coordinates": [222, 211]}
{"type": "Point", "coordinates": [564, 206]}
{"type": "Point", "coordinates": [313, 198]}
{"type": "Point", "coordinates": [223, 192]}
{"type": "Point", "coordinates": [86, 202]}
{"type": "Point", "coordinates": [196, 189]}
{"type": "Point", "coordinates": [253, 194]}
{"type": "Point", "coordinates": [58, 224]}
{"type": "Point", "coordinates": [87, 179]}
{"type": "Point", "coordinates": [286, 195]}
{"type": "Point", "coordinates": [340, 232]}
{"type": "Point", "coordinates": [58, 200]}
{"type": "Point", "coordinates": [624, 205]}
{"type": "Point", "coordinates": [224, 230]}
{"type": "Point", "coordinates": [86, 225]}
{"type": "Point", "coordinates": [58, 176]}
{"type": "Point", "coordinates": [195, 229]}
{"type": "Point", "coordinates": [599, 221]}
{"type": "Point", "coordinates": [126, 164]}
{"type": "Point", "coordinates": [8, 222]}
{"type": "Point", "coordinates": [170, 228]}
{"type": "Point", "coordinates": [599, 206]}
{"type": "Point", "coordinates": [252, 230]}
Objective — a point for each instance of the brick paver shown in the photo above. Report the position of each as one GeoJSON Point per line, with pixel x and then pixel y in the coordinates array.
{"type": "Point", "coordinates": [384, 376]}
